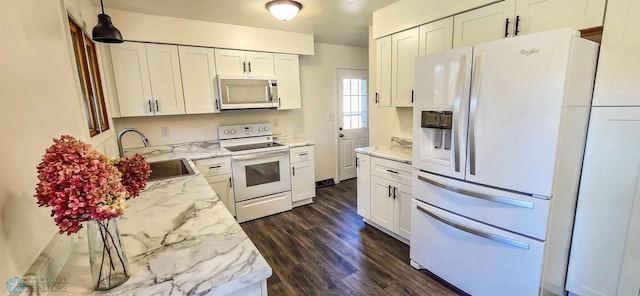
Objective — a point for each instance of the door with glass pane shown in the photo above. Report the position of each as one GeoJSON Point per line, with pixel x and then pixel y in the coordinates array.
{"type": "Point", "coordinates": [353, 122]}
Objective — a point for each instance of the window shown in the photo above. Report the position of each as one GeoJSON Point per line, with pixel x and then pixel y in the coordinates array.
{"type": "Point", "coordinates": [354, 103]}
{"type": "Point", "coordinates": [89, 74]}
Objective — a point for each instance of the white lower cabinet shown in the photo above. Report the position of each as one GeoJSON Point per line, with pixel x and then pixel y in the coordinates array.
{"type": "Point", "coordinates": [477, 258]}
{"type": "Point", "coordinates": [384, 194]}
{"type": "Point", "coordinates": [363, 169]}
{"type": "Point", "coordinates": [605, 251]}
{"type": "Point", "coordinates": [303, 188]}
{"type": "Point", "coordinates": [217, 172]}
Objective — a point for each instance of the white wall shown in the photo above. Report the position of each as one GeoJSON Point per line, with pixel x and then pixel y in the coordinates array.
{"type": "Point", "coordinates": [318, 75]}
{"type": "Point", "coordinates": [40, 100]}
{"type": "Point", "coordinates": [385, 122]}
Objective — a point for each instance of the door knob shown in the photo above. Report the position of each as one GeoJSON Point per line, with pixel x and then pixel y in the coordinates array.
{"type": "Point", "coordinates": [341, 135]}
{"type": "Point", "coordinates": [340, 128]}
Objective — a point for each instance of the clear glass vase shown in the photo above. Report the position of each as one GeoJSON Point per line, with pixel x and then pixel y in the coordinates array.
{"type": "Point", "coordinates": [109, 267]}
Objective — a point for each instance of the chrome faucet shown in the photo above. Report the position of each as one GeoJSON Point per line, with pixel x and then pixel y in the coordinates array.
{"type": "Point", "coordinates": [121, 133]}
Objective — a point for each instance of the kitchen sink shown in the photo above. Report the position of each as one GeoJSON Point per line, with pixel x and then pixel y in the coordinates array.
{"type": "Point", "coordinates": [170, 169]}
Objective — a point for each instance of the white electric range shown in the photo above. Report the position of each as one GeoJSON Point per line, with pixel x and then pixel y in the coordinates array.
{"type": "Point", "coordinates": [261, 176]}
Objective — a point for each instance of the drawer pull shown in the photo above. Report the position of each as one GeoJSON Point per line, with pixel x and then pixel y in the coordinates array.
{"type": "Point", "coordinates": [303, 154]}
{"type": "Point", "coordinates": [394, 172]}
{"type": "Point", "coordinates": [215, 167]}
{"type": "Point", "coordinates": [498, 199]}
{"type": "Point", "coordinates": [491, 236]}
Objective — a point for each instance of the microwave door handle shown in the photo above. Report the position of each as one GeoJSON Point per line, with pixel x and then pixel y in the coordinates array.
{"type": "Point", "coordinates": [270, 91]}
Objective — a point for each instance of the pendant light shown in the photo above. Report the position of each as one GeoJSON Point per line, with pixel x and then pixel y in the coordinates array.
{"type": "Point", "coordinates": [104, 31]}
{"type": "Point", "coordinates": [284, 10]}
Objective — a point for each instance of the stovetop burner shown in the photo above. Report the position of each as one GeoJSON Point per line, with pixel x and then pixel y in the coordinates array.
{"type": "Point", "coordinates": [252, 146]}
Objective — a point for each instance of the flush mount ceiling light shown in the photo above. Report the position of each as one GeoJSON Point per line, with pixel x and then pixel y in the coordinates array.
{"type": "Point", "coordinates": [104, 31]}
{"type": "Point", "coordinates": [284, 10]}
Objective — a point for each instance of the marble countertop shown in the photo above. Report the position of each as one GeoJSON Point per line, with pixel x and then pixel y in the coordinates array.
{"type": "Point", "coordinates": [179, 238]}
{"type": "Point", "coordinates": [195, 150]}
{"type": "Point", "coordinates": [293, 143]}
{"type": "Point", "coordinates": [398, 150]}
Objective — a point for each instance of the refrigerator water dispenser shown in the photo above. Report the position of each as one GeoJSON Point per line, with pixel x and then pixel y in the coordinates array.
{"type": "Point", "coordinates": [441, 122]}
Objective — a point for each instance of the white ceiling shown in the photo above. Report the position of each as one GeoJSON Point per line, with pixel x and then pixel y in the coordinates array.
{"type": "Point", "coordinates": [330, 21]}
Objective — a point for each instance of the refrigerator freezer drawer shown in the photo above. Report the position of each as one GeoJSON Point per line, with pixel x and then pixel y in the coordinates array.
{"type": "Point", "coordinates": [514, 212]}
{"type": "Point", "coordinates": [477, 258]}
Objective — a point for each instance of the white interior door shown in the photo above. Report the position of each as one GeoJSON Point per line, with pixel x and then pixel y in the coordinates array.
{"type": "Point", "coordinates": [353, 131]}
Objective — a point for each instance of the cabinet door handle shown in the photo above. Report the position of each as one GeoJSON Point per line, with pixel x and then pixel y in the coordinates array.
{"type": "Point", "coordinates": [279, 103]}
{"type": "Point", "coordinates": [217, 105]}
{"type": "Point", "coordinates": [377, 98]}
{"type": "Point", "coordinates": [249, 67]}
{"type": "Point", "coordinates": [394, 172]}
{"type": "Point", "coordinates": [150, 110]}
{"type": "Point", "coordinates": [395, 192]}
{"type": "Point", "coordinates": [506, 28]}
{"type": "Point", "coordinates": [517, 25]}
{"type": "Point", "coordinates": [157, 106]}
{"type": "Point", "coordinates": [230, 183]}
{"type": "Point", "coordinates": [389, 191]}
{"type": "Point", "coordinates": [244, 67]}
{"type": "Point", "coordinates": [357, 162]}
{"type": "Point", "coordinates": [412, 96]}
{"type": "Point", "coordinates": [294, 170]}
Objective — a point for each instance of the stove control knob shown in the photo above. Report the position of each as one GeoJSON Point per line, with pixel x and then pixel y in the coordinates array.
{"type": "Point", "coordinates": [260, 129]}
{"type": "Point", "coordinates": [226, 132]}
{"type": "Point", "coordinates": [266, 129]}
{"type": "Point", "coordinates": [233, 132]}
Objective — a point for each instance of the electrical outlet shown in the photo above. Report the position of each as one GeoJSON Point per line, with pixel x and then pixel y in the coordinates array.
{"type": "Point", "coordinates": [164, 131]}
{"type": "Point", "coordinates": [275, 122]}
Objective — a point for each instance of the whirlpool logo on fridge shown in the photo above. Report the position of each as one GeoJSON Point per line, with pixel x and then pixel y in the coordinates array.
{"type": "Point", "coordinates": [528, 52]}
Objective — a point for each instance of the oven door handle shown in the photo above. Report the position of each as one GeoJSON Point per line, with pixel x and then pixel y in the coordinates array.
{"type": "Point", "coordinates": [258, 155]}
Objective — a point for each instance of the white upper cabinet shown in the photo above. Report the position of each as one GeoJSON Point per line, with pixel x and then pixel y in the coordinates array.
{"type": "Point", "coordinates": [239, 62]}
{"type": "Point", "coordinates": [542, 15]}
{"type": "Point", "coordinates": [404, 49]}
{"type": "Point", "coordinates": [260, 63]}
{"type": "Point", "coordinates": [198, 79]}
{"type": "Point", "coordinates": [166, 80]}
{"type": "Point", "coordinates": [436, 36]}
{"type": "Point", "coordinates": [132, 79]}
{"type": "Point", "coordinates": [287, 73]}
{"type": "Point", "coordinates": [148, 80]}
{"type": "Point", "coordinates": [383, 72]}
{"type": "Point", "coordinates": [230, 62]}
{"type": "Point", "coordinates": [518, 17]}
{"type": "Point", "coordinates": [484, 24]}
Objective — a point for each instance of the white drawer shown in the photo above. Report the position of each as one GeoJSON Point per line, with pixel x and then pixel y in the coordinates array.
{"type": "Point", "coordinates": [391, 170]}
{"type": "Point", "coordinates": [515, 212]}
{"type": "Point", "coordinates": [475, 257]}
{"type": "Point", "coordinates": [214, 166]}
{"type": "Point", "coordinates": [299, 154]}
{"type": "Point", "coordinates": [263, 206]}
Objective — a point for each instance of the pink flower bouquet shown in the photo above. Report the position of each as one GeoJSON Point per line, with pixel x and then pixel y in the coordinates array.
{"type": "Point", "coordinates": [81, 184]}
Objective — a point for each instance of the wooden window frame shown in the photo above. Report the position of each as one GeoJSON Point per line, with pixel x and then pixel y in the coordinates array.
{"type": "Point", "coordinates": [90, 80]}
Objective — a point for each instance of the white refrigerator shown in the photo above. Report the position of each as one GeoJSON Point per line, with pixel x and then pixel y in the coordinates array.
{"type": "Point", "coordinates": [499, 132]}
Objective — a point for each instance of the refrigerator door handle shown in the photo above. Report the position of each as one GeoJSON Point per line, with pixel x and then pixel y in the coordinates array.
{"type": "Point", "coordinates": [456, 113]}
{"type": "Point", "coordinates": [493, 198]}
{"type": "Point", "coordinates": [475, 93]}
{"type": "Point", "coordinates": [487, 235]}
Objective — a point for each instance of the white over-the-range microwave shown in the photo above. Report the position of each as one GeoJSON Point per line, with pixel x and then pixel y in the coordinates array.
{"type": "Point", "coordinates": [247, 92]}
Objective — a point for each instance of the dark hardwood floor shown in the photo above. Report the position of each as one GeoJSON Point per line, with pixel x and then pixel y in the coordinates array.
{"type": "Point", "coordinates": [325, 249]}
